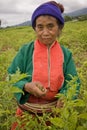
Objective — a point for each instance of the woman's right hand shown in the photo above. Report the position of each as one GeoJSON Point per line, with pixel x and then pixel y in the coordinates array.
{"type": "Point", "coordinates": [35, 88]}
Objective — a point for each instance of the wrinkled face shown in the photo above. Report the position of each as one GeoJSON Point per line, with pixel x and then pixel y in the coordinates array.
{"type": "Point", "coordinates": [47, 29]}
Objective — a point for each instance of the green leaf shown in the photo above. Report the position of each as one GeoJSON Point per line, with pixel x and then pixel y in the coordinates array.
{"type": "Point", "coordinates": [57, 122]}
{"type": "Point", "coordinates": [81, 128]}
{"type": "Point", "coordinates": [83, 116]}
{"type": "Point", "coordinates": [79, 103]}
{"type": "Point", "coordinates": [16, 90]}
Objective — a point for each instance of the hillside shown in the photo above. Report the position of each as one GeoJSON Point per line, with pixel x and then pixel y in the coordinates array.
{"type": "Point", "coordinates": [77, 12]}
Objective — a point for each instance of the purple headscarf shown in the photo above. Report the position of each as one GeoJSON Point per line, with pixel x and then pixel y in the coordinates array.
{"type": "Point", "coordinates": [47, 9]}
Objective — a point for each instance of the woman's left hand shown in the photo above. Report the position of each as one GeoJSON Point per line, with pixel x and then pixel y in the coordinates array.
{"type": "Point", "coordinates": [60, 103]}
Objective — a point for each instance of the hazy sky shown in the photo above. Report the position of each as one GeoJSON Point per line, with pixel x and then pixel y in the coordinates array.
{"type": "Point", "coordinates": [18, 11]}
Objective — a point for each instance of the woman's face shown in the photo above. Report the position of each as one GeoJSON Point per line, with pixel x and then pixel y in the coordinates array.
{"type": "Point", "coordinates": [47, 29]}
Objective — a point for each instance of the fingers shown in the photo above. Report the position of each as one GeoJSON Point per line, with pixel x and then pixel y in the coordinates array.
{"type": "Point", "coordinates": [40, 90]}
{"type": "Point", "coordinates": [60, 103]}
{"type": "Point", "coordinates": [36, 89]}
{"type": "Point", "coordinates": [39, 93]}
{"type": "Point", "coordinates": [40, 86]}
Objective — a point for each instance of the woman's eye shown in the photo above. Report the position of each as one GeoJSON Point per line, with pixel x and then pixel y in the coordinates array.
{"type": "Point", "coordinates": [50, 26]}
{"type": "Point", "coordinates": [39, 27]}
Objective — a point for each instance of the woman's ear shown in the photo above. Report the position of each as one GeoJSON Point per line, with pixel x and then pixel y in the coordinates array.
{"type": "Point", "coordinates": [59, 32]}
{"type": "Point", "coordinates": [60, 27]}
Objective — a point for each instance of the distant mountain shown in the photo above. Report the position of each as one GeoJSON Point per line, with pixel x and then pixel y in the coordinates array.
{"type": "Point", "coordinates": [77, 12]}
{"type": "Point", "coordinates": [72, 14]}
{"type": "Point", "coordinates": [26, 23]}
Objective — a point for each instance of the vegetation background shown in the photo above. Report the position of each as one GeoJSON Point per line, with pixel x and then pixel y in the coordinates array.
{"type": "Point", "coordinates": [74, 37]}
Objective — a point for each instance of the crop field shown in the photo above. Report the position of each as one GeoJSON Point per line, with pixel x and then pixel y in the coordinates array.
{"type": "Point", "coordinates": [74, 115]}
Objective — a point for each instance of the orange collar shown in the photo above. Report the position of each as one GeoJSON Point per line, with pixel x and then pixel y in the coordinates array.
{"type": "Point", "coordinates": [48, 67]}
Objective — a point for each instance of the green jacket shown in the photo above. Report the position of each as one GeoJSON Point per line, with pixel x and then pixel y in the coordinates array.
{"type": "Point", "coordinates": [23, 61]}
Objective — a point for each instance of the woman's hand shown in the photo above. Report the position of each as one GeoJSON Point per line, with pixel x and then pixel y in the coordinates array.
{"type": "Point", "coordinates": [60, 103]}
{"type": "Point", "coordinates": [35, 88]}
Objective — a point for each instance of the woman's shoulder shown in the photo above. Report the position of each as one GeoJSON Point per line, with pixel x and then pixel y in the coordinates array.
{"type": "Point", "coordinates": [28, 45]}
{"type": "Point", "coordinates": [67, 52]}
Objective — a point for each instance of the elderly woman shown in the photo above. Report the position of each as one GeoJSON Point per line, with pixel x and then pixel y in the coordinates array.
{"type": "Point", "coordinates": [48, 63]}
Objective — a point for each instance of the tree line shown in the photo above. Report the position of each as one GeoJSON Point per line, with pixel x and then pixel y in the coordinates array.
{"type": "Point", "coordinates": [79, 18]}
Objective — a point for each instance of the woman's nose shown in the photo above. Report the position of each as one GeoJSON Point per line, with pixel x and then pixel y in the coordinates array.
{"type": "Point", "coordinates": [45, 31]}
